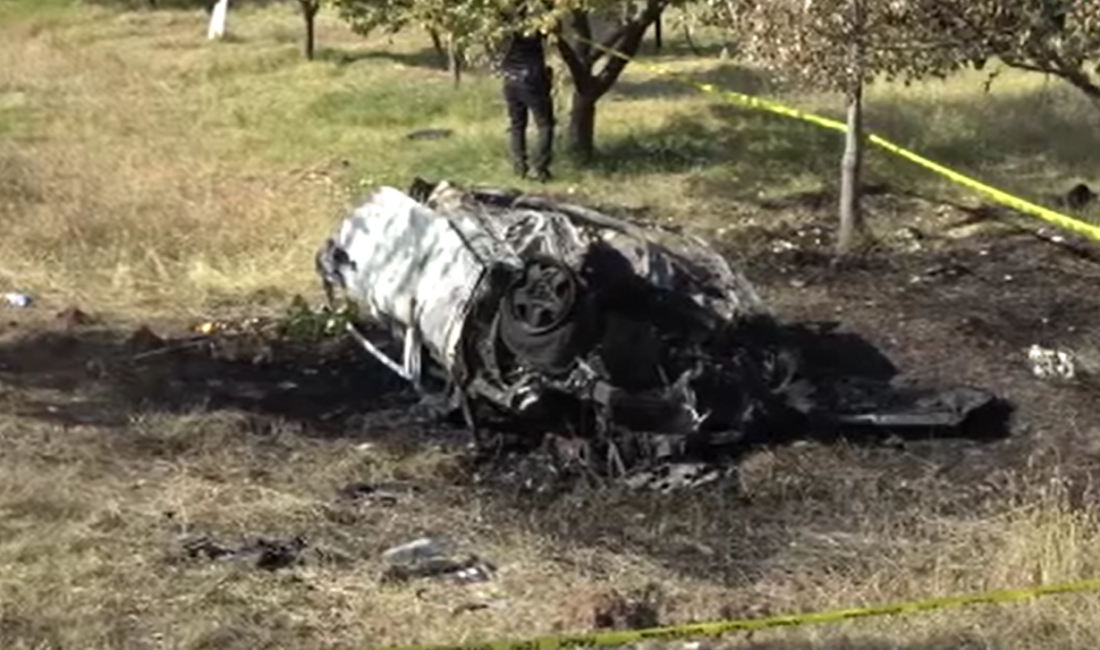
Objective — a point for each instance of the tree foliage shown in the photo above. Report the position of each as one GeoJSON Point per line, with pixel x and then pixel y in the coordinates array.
{"type": "Point", "coordinates": [916, 38]}
{"type": "Point", "coordinates": [465, 24]}
{"type": "Point", "coordinates": [810, 42]}
{"type": "Point", "coordinates": [1056, 37]}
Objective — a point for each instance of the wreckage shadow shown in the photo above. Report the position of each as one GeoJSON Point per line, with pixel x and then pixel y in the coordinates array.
{"type": "Point", "coordinates": [835, 358]}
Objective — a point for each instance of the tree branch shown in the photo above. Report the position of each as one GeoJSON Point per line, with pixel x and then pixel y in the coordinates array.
{"type": "Point", "coordinates": [631, 40]}
{"type": "Point", "coordinates": [578, 69]}
{"type": "Point", "coordinates": [584, 32]}
{"type": "Point", "coordinates": [609, 43]}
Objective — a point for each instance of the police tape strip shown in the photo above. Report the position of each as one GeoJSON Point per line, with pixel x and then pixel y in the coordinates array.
{"type": "Point", "coordinates": [718, 628]}
{"type": "Point", "coordinates": [1004, 198]}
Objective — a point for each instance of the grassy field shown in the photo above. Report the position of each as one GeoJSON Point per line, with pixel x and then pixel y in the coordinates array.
{"type": "Point", "coordinates": [146, 173]}
{"type": "Point", "coordinates": [143, 165]}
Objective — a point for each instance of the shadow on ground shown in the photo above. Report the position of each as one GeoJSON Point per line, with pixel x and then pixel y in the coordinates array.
{"type": "Point", "coordinates": [748, 150]}
{"type": "Point", "coordinates": [1035, 144]}
{"type": "Point", "coordinates": [424, 58]}
{"type": "Point", "coordinates": [725, 76]}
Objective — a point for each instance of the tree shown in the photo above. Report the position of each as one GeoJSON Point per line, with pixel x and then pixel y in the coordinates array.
{"type": "Point", "coordinates": [455, 26]}
{"type": "Point", "coordinates": [309, 16]}
{"type": "Point", "coordinates": [593, 60]}
{"type": "Point", "coordinates": [583, 52]}
{"type": "Point", "coordinates": [837, 45]}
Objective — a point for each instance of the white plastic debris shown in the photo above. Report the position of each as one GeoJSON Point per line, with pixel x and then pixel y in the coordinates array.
{"type": "Point", "coordinates": [18, 299]}
{"type": "Point", "coordinates": [473, 574]}
{"type": "Point", "coordinates": [673, 476]}
{"type": "Point", "coordinates": [418, 549]}
{"type": "Point", "coordinates": [782, 245]}
{"type": "Point", "coordinates": [1048, 363]}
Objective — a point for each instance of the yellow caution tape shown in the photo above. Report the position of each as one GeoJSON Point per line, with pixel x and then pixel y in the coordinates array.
{"type": "Point", "coordinates": [1000, 196]}
{"type": "Point", "coordinates": [717, 628]}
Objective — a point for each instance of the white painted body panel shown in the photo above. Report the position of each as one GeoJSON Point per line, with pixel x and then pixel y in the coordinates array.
{"type": "Point", "coordinates": [415, 267]}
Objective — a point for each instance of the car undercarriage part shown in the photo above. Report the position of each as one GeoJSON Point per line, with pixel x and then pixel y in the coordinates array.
{"type": "Point", "coordinates": [546, 317]}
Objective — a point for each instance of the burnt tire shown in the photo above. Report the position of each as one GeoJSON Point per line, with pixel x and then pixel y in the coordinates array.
{"type": "Point", "coordinates": [539, 321]}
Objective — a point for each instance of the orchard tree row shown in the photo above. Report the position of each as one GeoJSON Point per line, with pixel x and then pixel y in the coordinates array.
{"type": "Point", "coordinates": [835, 45]}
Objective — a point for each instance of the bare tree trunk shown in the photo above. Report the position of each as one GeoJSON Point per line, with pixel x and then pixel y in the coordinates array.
{"type": "Point", "coordinates": [850, 167]}
{"type": "Point", "coordinates": [657, 34]}
{"type": "Point", "coordinates": [454, 61]}
{"type": "Point", "coordinates": [581, 135]}
{"type": "Point", "coordinates": [437, 45]}
{"type": "Point", "coordinates": [590, 84]}
{"type": "Point", "coordinates": [852, 162]}
{"type": "Point", "coordinates": [309, 15]}
{"type": "Point", "coordinates": [690, 41]}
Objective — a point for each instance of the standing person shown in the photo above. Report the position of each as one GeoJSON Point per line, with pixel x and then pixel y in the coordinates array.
{"type": "Point", "coordinates": [527, 90]}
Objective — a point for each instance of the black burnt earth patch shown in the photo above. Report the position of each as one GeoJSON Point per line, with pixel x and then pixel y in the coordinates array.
{"type": "Point", "coordinates": [952, 314]}
{"type": "Point", "coordinates": [323, 384]}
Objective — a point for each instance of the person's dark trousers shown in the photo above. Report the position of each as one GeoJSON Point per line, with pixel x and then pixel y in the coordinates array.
{"type": "Point", "coordinates": [531, 95]}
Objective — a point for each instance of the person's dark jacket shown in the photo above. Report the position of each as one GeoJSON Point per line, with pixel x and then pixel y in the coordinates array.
{"type": "Point", "coordinates": [524, 58]}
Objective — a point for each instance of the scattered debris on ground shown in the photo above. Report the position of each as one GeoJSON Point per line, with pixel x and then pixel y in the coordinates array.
{"type": "Point", "coordinates": [19, 300]}
{"type": "Point", "coordinates": [262, 553]}
{"type": "Point", "coordinates": [384, 494]}
{"type": "Point", "coordinates": [1049, 363]}
{"type": "Point", "coordinates": [428, 557]}
{"type": "Point", "coordinates": [429, 134]}
{"type": "Point", "coordinates": [634, 610]}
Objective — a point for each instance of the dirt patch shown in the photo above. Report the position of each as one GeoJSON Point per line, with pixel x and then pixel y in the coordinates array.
{"type": "Point", "coordinates": [963, 310]}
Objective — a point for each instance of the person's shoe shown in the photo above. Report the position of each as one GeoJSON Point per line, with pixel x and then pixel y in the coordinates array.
{"type": "Point", "coordinates": [543, 176]}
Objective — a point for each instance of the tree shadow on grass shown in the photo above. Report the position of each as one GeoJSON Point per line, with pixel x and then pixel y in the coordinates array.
{"type": "Point", "coordinates": [1053, 130]}
{"type": "Point", "coordinates": [1026, 144]}
{"type": "Point", "coordinates": [724, 76]}
{"type": "Point", "coordinates": [423, 58]}
{"type": "Point", "coordinates": [749, 149]}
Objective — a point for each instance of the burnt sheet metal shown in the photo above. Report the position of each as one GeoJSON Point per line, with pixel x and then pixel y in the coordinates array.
{"type": "Point", "coordinates": [545, 316]}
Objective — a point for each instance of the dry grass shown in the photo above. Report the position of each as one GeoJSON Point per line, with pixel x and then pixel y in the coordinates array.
{"type": "Point", "coordinates": [144, 165]}
{"type": "Point", "coordinates": [146, 172]}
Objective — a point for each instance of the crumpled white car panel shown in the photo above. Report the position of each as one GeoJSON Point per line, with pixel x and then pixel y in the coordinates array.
{"type": "Point", "coordinates": [415, 266]}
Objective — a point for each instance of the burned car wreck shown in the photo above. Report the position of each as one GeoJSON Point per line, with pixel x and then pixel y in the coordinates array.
{"type": "Point", "coordinates": [529, 315]}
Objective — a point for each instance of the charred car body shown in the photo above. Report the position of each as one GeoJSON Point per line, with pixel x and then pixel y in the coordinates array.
{"type": "Point", "coordinates": [551, 317]}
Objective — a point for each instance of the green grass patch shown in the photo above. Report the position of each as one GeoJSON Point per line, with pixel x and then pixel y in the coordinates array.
{"type": "Point", "coordinates": [44, 12]}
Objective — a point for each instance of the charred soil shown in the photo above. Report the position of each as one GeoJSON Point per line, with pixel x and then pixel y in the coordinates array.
{"type": "Point", "coordinates": [961, 311]}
